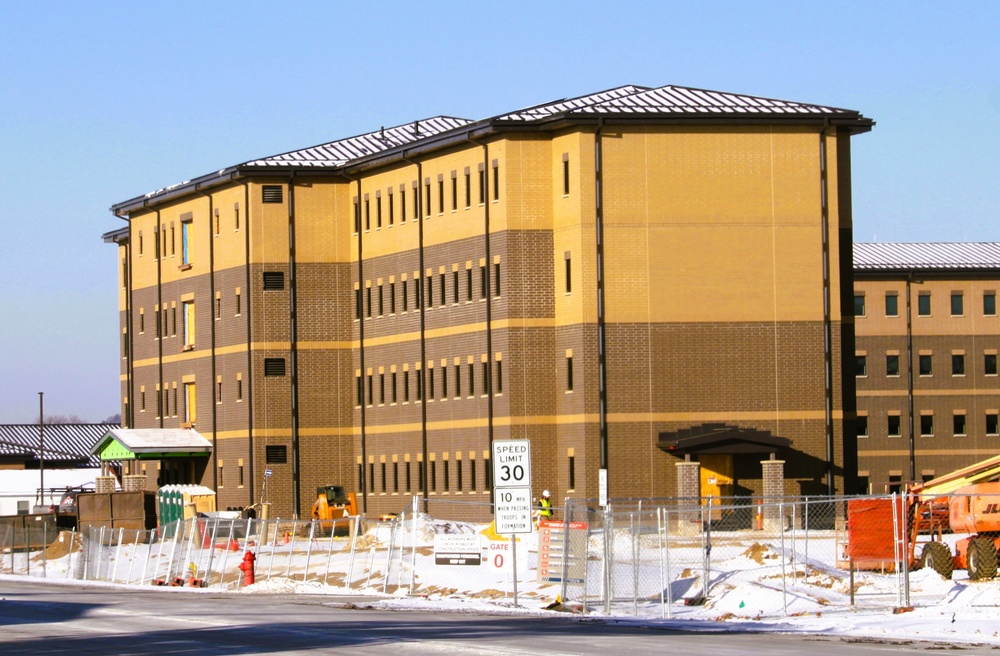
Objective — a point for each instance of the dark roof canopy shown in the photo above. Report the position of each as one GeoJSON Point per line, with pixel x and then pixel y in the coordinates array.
{"type": "Point", "coordinates": [720, 438]}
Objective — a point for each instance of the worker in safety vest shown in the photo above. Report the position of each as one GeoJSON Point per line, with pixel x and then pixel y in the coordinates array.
{"type": "Point", "coordinates": [544, 508]}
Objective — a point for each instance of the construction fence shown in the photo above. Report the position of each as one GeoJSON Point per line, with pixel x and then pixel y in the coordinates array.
{"type": "Point", "coordinates": [650, 558]}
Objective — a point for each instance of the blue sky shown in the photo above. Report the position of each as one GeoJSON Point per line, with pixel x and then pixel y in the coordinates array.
{"type": "Point", "coordinates": [104, 101]}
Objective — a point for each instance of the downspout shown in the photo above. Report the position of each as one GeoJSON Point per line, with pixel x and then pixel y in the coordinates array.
{"type": "Point", "coordinates": [249, 379]}
{"type": "Point", "coordinates": [489, 296]}
{"type": "Point", "coordinates": [423, 326]}
{"type": "Point", "coordinates": [211, 301]}
{"type": "Point", "coordinates": [602, 379]}
{"type": "Point", "coordinates": [827, 336]}
{"type": "Point", "coordinates": [361, 346]}
{"type": "Point", "coordinates": [909, 378]}
{"type": "Point", "coordinates": [128, 420]}
{"type": "Point", "coordinates": [159, 305]}
{"type": "Point", "coordinates": [293, 330]}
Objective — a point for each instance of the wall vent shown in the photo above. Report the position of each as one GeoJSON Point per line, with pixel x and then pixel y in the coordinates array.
{"type": "Point", "coordinates": [272, 193]}
{"type": "Point", "coordinates": [274, 366]}
{"type": "Point", "coordinates": [276, 454]}
{"type": "Point", "coordinates": [274, 280]}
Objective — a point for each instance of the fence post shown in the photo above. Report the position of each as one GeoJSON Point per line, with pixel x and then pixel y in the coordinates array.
{"type": "Point", "coordinates": [608, 578]}
{"type": "Point", "coordinates": [567, 518]}
{"type": "Point", "coordinates": [666, 541]}
{"type": "Point", "coordinates": [707, 538]}
{"type": "Point", "coordinates": [659, 539]}
{"type": "Point", "coordinates": [312, 532]}
{"type": "Point", "coordinates": [784, 579]}
{"type": "Point", "coordinates": [354, 549]}
{"type": "Point", "coordinates": [118, 555]}
{"type": "Point", "coordinates": [413, 544]}
{"type": "Point", "coordinates": [45, 549]}
{"type": "Point", "coordinates": [388, 554]}
{"type": "Point", "coordinates": [329, 553]}
{"type": "Point", "coordinates": [635, 563]}
{"type": "Point", "coordinates": [274, 547]}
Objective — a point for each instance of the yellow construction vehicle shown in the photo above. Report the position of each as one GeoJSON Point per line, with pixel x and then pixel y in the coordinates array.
{"type": "Point", "coordinates": [333, 505]}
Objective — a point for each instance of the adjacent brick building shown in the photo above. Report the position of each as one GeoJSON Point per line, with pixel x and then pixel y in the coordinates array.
{"type": "Point", "coordinates": [628, 279]}
{"type": "Point", "coordinates": [926, 359]}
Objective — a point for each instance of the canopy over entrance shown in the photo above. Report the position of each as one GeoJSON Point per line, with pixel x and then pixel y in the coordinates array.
{"type": "Point", "coordinates": [151, 444]}
{"type": "Point", "coordinates": [720, 438]}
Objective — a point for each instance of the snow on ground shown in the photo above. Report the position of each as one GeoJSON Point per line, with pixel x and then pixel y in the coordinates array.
{"type": "Point", "coordinates": [749, 593]}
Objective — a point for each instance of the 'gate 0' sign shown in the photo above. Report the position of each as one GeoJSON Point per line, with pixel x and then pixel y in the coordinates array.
{"type": "Point", "coordinates": [512, 463]}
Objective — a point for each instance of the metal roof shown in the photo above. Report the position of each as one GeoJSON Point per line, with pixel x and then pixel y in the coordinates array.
{"type": "Point", "coordinates": [158, 440]}
{"type": "Point", "coordinates": [343, 151]}
{"type": "Point", "coordinates": [662, 103]}
{"type": "Point", "coordinates": [63, 442]}
{"type": "Point", "coordinates": [926, 256]}
{"type": "Point", "coordinates": [671, 100]}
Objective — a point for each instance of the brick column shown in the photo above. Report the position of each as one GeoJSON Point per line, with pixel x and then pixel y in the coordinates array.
{"type": "Point", "coordinates": [104, 484]}
{"type": "Point", "coordinates": [134, 482]}
{"type": "Point", "coordinates": [774, 489]}
{"type": "Point", "coordinates": [689, 489]}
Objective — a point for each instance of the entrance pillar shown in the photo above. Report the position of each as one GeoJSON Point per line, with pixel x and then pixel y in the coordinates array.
{"type": "Point", "coordinates": [688, 520]}
{"type": "Point", "coordinates": [774, 489]}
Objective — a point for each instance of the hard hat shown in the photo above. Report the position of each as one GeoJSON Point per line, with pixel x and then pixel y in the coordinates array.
{"type": "Point", "coordinates": [545, 493]}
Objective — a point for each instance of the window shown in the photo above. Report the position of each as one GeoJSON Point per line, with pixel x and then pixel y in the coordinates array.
{"type": "Point", "coordinates": [486, 378]}
{"type": "Point", "coordinates": [190, 404]}
{"type": "Point", "coordinates": [274, 280]}
{"type": "Point", "coordinates": [572, 472]}
{"type": "Point", "coordinates": [394, 387]}
{"type": "Point", "coordinates": [440, 195]}
{"type": "Point", "coordinates": [454, 194]}
{"type": "Point", "coordinates": [957, 364]}
{"type": "Point", "coordinates": [142, 321]}
{"type": "Point", "coordinates": [368, 293]}
{"type": "Point", "coordinates": [416, 292]}
{"type": "Point", "coordinates": [444, 381]}
{"type": "Point", "coordinates": [434, 475]}
{"type": "Point", "coordinates": [893, 426]}
{"type": "Point", "coordinates": [468, 189]}
{"type": "Point", "coordinates": [891, 304]}
{"type": "Point", "coordinates": [957, 304]}
{"type": "Point", "coordinates": [484, 285]}
{"type": "Point", "coordinates": [565, 171]}
{"type": "Point", "coordinates": [239, 304]}
{"type": "Point", "coordinates": [361, 390]}
{"type": "Point", "coordinates": [383, 477]}
{"type": "Point", "coordinates": [569, 373]}
{"type": "Point", "coordinates": [859, 305]}
{"type": "Point", "coordinates": [447, 476]}
{"type": "Point", "coordinates": [860, 365]}
{"type": "Point", "coordinates": [392, 297]}
{"type": "Point", "coordinates": [392, 211]}
{"type": "Point", "coordinates": [458, 380]}
{"type": "Point", "coordinates": [430, 384]}
{"type": "Point", "coordinates": [496, 180]}
{"type": "Point", "coordinates": [927, 425]}
{"type": "Point", "coordinates": [443, 299]}
{"type": "Point", "coordinates": [357, 217]}
{"type": "Point", "coordinates": [409, 485]}
{"type": "Point", "coordinates": [925, 365]}
{"type": "Point", "coordinates": [482, 185]}
{"type": "Point", "coordinates": [274, 366]}
{"type": "Point", "coordinates": [990, 364]}
{"type": "Point", "coordinates": [371, 476]}
{"type": "Point", "coordinates": [419, 377]}
{"type": "Point", "coordinates": [405, 304]}
{"type": "Point", "coordinates": [472, 380]}
{"type": "Point", "coordinates": [924, 304]}
{"type": "Point", "coordinates": [468, 284]}
{"type": "Point", "coordinates": [216, 223]}
{"type": "Point", "coordinates": [395, 475]}
{"type": "Point", "coordinates": [990, 304]}
{"type": "Point", "coordinates": [381, 389]}
{"type": "Point", "coordinates": [381, 299]}
{"type": "Point", "coordinates": [472, 475]}
{"type": "Point", "coordinates": [378, 224]}
{"type": "Point", "coordinates": [430, 291]}
{"type": "Point", "coordinates": [569, 273]}
{"type": "Point", "coordinates": [496, 279]}
{"type": "Point", "coordinates": [186, 242]}
{"type": "Point", "coordinates": [458, 475]}
{"type": "Point", "coordinates": [862, 425]}
{"type": "Point", "coordinates": [272, 193]}
{"type": "Point", "coordinates": [427, 196]}
{"type": "Point", "coordinates": [992, 426]}
{"type": "Point", "coordinates": [958, 424]}
{"type": "Point", "coordinates": [357, 304]}
{"type": "Point", "coordinates": [454, 286]}
{"type": "Point", "coordinates": [371, 389]}
{"type": "Point", "coordinates": [892, 365]}
{"type": "Point", "coordinates": [218, 390]}
{"type": "Point", "coordinates": [236, 226]}
{"type": "Point", "coordinates": [173, 241]}
{"type": "Point", "coordinates": [368, 214]}
{"type": "Point", "coordinates": [142, 400]}
{"type": "Point", "coordinates": [402, 204]}
{"type": "Point", "coordinates": [499, 376]}
{"type": "Point", "coordinates": [188, 310]}
{"type": "Point", "coordinates": [218, 306]}
{"type": "Point", "coordinates": [239, 387]}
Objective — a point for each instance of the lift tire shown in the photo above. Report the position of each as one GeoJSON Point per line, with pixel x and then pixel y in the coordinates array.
{"type": "Point", "coordinates": [982, 558]}
{"type": "Point", "coordinates": [937, 556]}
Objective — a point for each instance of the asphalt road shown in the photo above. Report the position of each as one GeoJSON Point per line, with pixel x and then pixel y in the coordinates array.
{"type": "Point", "coordinates": [45, 618]}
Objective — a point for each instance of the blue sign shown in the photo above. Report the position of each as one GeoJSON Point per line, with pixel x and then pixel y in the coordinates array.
{"type": "Point", "coordinates": [267, 472]}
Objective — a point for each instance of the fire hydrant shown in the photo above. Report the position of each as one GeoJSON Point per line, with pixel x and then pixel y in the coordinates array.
{"type": "Point", "coordinates": [247, 567]}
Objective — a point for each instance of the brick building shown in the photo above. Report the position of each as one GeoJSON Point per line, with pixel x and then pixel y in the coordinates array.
{"type": "Point", "coordinates": [632, 279]}
{"type": "Point", "coordinates": [926, 359]}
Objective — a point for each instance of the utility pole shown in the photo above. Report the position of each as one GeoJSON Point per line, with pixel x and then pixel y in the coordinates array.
{"type": "Point", "coordinates": [41, 448]}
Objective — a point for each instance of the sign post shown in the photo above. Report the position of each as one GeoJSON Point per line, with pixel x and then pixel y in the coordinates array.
{"type": "Point", "coordinates": [512, 493]}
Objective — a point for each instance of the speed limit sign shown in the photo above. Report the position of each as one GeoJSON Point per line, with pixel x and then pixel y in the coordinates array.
{"type": "Point", "coordinates": [512, 463]}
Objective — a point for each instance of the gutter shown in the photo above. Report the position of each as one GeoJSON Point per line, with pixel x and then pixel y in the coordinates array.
{"type": "Point", "coordinates": [360, 309]}
{"type": "Point", "coordinates": [212, 346]}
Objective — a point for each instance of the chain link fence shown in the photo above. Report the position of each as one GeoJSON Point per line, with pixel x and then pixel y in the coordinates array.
{"type": "Point", "coordinates": [648, 558]}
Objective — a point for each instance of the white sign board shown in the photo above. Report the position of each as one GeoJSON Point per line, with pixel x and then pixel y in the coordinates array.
{"type": "Point", "coordinates": [457, 549]}
{"type": "Point", "coordinates": [513, 510]}
{"type": "Point", "coordinates": [499, 556]}
{"type": "Point", "coordinates": [602, 487]}
{"type": "Point", "coordinates": [512, 463]}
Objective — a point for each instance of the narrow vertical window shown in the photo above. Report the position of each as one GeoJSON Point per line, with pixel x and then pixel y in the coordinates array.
{"type": "Point", "coordinates": [357, 304]}
{"type": "Point", "coordinates": [378, 211]}
{"type": "Point", "coordinates": [957, 304]}
{"type": "Point", "coordinates": [218, 306]}
{"type": "Point", "coordinates": [409, 485]}
{"type": "Point", "coordinates": [357, 216]}
{"type": "Point", "coordinates": [454, 286]}
{"type": "Point", "coordinates": [188, 308]}
{"type": "Point", "coordinates": [405, 304]}
{"type": "Point", "coordinates": [371, 476]}
{"type": "Point", "coordinates": [416, 201]}
{"type": "Point", "coordinates": [218, 390]}
{"type": "Point", "coordinates": [569, 273]}
{"type": "Point", "coordinates": [458, 380]}
{"type": "Point", "coordinates": [427, 196]}
{"type": "Point", "coordinates": [239, 387]}
{"type": "Point", "coordinates": [472, 475]}
{"type": "Point", "coordinates": [430, 384]}
{"type": "Point", "coordinates": [468, 189]}
{"type": "Point", "coordinates": [430, 291]}
{"type": "Point", "coordinates": [444, 381]}
{"type": "Point", "coordinates": [468, 284]}
{"type": "Point", "coordinates": [239, 305]}
{"type": "Point", "coordinates": [186, 242]}
{"type": "Point", "coordinates": [381, 389]}
{"type": "Point", "coordinates": [406, 386]}
{"type": "Point", "coordinates": [442, 292]}
{"type": "Point", "coordinates": [496, 279]}
{"type": "Point", "coordinates": [569, 373]}
{"type": "Point", "coordinates": [472, 379]}
{"type": "Point", "coordinates": [216, 224]}
{"type": "Point", "coordinates": [499, 376]}
{"type": "Point", "coordinates": [371, 389]}
{"type": "Point", "coordinates": [416, 292]}
{"type": "Point", "coordinates": [190, 404]}
{"type": "Point", "coordinates": [395, 476]}
{"type": "Point", "coordinates": [381, 299]}
{"type": "Point", "coordinates": [484, 287]}
{"type": "Point", "coordinates": [486, 378]}
{"type": "Point", "coordinates": [458, 475]}
{"type": "Point", "coordinates": [496, 180]}
{"type": "Point", "coordinates": [482, 185]}
{"type": "Point", "coordinates": [392, 297]}
{"type": "Point", "coordinates": [394, 390]}
{"type": "Point", "coordinates": [440, 195]}
{"type": "Point", "coordinates": [236, 219]}
{"type": "Point", "coordinates": [402, 206]}
{"type": "Point", "coordinates": [434, 475]}
{"type": "Point", "coordinates": [419, 376]}
{"type": "Point", "coordinates": [454, 191]}
{"type": "Point", "coordinates": [368, 293]}
{"type": "Point", "coordinates": [572, 472]}
{"type": "Point", "coordinates": [565, 169]}
{"type": "Point", "coordinates": [383, 477]}
{"type": "Point", "coordinates": [447, 476]}
{"type": "Point", "coordinates": [392, 210]}
{"type": "Point", "coordinates": [368, 214]}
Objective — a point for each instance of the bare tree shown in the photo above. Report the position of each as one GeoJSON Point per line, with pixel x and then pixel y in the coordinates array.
{"type": "Point", "coordinates": [64, 419]}
{"type": "Point", "coordinates": [113, 419]}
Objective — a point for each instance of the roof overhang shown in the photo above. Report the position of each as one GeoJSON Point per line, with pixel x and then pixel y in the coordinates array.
{"type": "Point", "coordinates": [720, 438]}
{"type": "Point", "coordinates": [151, 444]}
